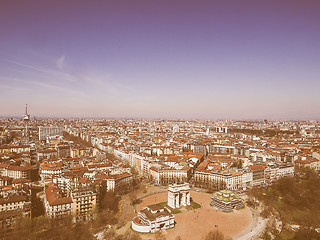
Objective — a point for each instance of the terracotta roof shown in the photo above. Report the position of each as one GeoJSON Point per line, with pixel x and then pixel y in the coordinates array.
{"type": "Point", "coordinates": [257, 167]}
{"type": "Point", "coordinates": [54, 197]}
{"type": "Point", "coordinates": [101, 176]}
{"type": "Point", "coordinates": [307, 161]}
{"type": "Point", "coordinates": [12, 199]}
{"type": "Point", "coordinates": [48, 151]}
{"type": "Point", "coordinates": [154, 169]}
{"type": "Point", "coordinates": [19, 168]}
{"type": "Point", "coordinates": [21, 180]}
{"type": "Point", "coordinates": [84, 180]}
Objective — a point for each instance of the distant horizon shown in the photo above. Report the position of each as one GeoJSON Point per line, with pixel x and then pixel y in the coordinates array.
{"type": "Point", "coordinates": [158, 119]}
{"type": "Point", "coordinates": [161, 59]}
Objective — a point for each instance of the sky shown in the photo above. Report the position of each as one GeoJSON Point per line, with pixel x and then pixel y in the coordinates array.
{"type": "Point", "coordinates": [161, 59]}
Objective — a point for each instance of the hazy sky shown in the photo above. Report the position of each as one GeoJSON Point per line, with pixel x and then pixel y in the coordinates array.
{"type": "Point", "coordinates": [161, 59]}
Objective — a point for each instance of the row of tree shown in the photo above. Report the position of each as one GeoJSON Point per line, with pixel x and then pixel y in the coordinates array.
{"type": "Point", "coordinates": [214, 185]}
{"type": "Point", "coordinates": [164, 180]}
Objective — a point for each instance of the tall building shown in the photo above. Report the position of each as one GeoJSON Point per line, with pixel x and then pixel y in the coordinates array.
{"type": "Point", "coordinates": [45, 132]}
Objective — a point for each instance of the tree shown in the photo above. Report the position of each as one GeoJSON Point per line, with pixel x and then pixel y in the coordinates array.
{"type": "Point", "coordinates": [101, 190]}
{"type": "Point", "coordinates": [265, 213]}
{"type": "Point", "coordinates": [109, 234]}
{"type": "Point", "coordinates": [306, 234]}
{"type": "Point", "coordinates": [110, 201]}
{"type": "Point", "coordinates": [104, 217]}
{"type": "Point", "coordinates": [134, 197]}
{"type": "Point", "coordinates": [46, 228]}
{"type": "Point", "coordinates": [266, 235]}
{"type": "Point", "coordinates": [214, 235]}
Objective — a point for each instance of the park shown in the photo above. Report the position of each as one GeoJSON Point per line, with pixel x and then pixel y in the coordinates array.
{"type": "Point", "coordinates": [195, 224]}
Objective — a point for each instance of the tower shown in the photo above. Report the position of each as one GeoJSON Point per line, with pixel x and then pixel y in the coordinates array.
{"type": "Point", "coordinates": [208, 132]}
{"type": "Point", "coordinates": [175, 129]}
{"type": "Point", "coordinates": [26, 120]}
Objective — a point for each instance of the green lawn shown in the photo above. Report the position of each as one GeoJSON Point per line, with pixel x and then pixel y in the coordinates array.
{"type": "Point", "coordinates": [193, 206]}
{"type": "Point", "coordinates": [163, 204]}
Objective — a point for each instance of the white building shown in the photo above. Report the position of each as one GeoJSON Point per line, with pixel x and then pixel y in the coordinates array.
{"type": "Point", "coordinates": [153, 218]}
{"type": "Point", "coordinates": [240, 180]}
{"type": "Point", "coordinates": [17, 172]}
{"type": "Point", "coordinates": [45, 132]}
{"type": "Point", "coordinates": [49, 170]}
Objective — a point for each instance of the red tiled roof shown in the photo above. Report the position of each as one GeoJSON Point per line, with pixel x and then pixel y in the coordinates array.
{"type": "Point", "coordinates": [12, 199]}
{"type": "Point", "coordinates": [54, 197]}
{"type": "Point", "coordinates": [257, 167]}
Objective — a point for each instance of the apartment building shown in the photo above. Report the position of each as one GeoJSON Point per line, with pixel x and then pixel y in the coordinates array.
{"type": "Point", "coordinates": [56, 205]}
{"type": "Point", "coordinates": [273, 173]}
{"type": "Point", "coordinates": [83, 204]}
{"type": "Point", "coordinates": [174, 174]}
{"type": "Point", "coordinates": [312, 163]}
{"type": "Point", "coordinates": [258, 174]}
{"type": "Point", "coordinates": [227, 179]}
{"type": "Point", "coordinates": [119, 182]}
{"type": "Point", "coordinates": [17, 172]}
{"type": "Point", "coordinates": [50, 169]}
{"type": "Point", "coordinates": [46, 154]}
{"type": "Point", "coordinates": [14, 149]}
{"type": "Point", "coordinates": [11, 208]}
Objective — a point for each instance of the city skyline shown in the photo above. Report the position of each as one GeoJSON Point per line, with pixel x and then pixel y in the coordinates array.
{"type": "Point", "coordinates": [168, 59]}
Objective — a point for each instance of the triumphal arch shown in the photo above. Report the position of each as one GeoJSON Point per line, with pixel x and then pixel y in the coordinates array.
{"type": "Point", "coordinates": [179, 195]}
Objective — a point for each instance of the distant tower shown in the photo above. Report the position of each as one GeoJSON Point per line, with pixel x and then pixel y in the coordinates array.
{"type": "Point", "coordinates": [175, 129]}
{"type": "Point", "coordinates": [26, 120]}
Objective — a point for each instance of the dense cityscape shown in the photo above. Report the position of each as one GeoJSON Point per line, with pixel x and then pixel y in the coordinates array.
{"type": "Point", "coordinates": [159, 120]}
{"type": "Point", "coordinates": [56, 168]}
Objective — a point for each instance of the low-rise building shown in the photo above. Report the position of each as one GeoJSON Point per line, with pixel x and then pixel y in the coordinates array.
{"type": "Point", "coordinates": [226, 201]}
{"type": "Point", "coordinates": [153, 218]}
{"type": "Point", "coordinates": [308, 162]}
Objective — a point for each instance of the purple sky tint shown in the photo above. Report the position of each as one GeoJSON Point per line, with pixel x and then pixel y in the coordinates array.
{"type": "Point", "coordinates": [161, 59]}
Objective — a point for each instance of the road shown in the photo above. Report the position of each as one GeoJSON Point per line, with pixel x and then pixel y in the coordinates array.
{"type": "Point", "coordinates": [256, 227]}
